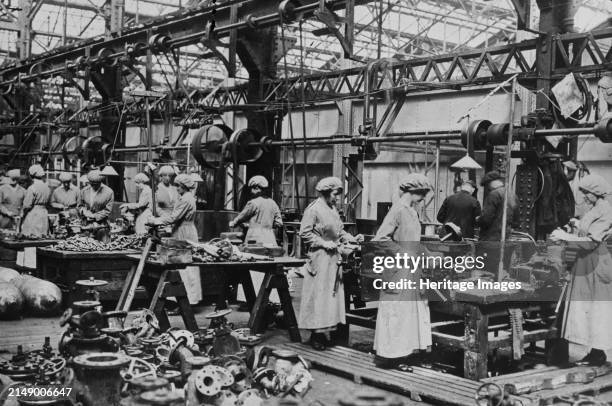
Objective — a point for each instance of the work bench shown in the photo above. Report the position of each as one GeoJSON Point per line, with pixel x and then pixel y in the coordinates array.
{"type": "Point", "coordinates": [10, 248]}
{"type": "Point", "coordinates": [67, 267]}
{"type": "Point", "coordinates": [476, 322]}
{"type": "Point", "coordinates": [165, 281]}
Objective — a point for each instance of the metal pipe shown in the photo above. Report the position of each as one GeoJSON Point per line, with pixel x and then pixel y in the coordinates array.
{"type": "Point", "coordinates": [500, 266]}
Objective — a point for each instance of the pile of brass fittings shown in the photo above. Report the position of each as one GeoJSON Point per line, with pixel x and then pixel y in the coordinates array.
{"type": "Point", "coordinates": [87, 244]}
{"type": "Point", "coordinates": [109, 363]}
{"type": "Point", "coordinates": [282, 372]}
{"type": "Point", "coordinates": [85, 330]}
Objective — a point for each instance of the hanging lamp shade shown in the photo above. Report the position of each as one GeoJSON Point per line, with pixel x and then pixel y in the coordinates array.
{"type": "Point", "coordinates": [466, 163]}
{"type": "Point", "coordinates": [109, 171]}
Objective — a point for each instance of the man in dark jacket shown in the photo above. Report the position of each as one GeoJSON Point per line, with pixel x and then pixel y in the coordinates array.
{"type": "Point", "coordinates": [490, 220]}
{"type": "Point", "coordinates": [461, 209]}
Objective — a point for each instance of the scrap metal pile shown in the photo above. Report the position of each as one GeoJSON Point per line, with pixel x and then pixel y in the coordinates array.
{"type": "Point", "coordinates": [10, 235]}
{"type": "Point", "coordinates": [219, 250]}
{"type": "Point", "coordinates": [87, 244]}
{"type": "Point", "coordinates": [105, 362]}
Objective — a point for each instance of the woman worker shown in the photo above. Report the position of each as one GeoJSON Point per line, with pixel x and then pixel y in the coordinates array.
{"type": "Point", "coordinates": [11, 199]}
{"type": "Point", "coordinates": [36, 216]}
{"type": "Point", "coordinates": [142, 208]}
{"type": "Point", "coordinates": [183, 228]}
{"type": "Point", "coordinates": [321, 228]}
{"type": "Point", "coordinates": [66, 196]}
{"type": "Point", "coordinates": [166, 194]}
{"type": "Point", "coordinates": [588, 303]}
{"type": "Point", "coordinates": [263, 214]}
{"type": "Point", "coordinates": [96, 204]}
{"type": "Point", "coordinates": [403, 325]}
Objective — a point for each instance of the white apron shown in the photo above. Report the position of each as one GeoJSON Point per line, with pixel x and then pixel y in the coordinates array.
{"type": "Point", "coordinates": [403, 322]}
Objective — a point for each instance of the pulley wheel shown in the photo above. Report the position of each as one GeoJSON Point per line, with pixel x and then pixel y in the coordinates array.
{"type": "Point", "coordinates": [241, 139]}
{"type": "Point", "coordinates": [72, 148]}
{"type": "Point", "coordinates": [286, 9]}
{"type": "Point", "coordinates": [497, 134]}
{"type": "Point", "coordinates": [603, 130]}
{"type": "Point", "coordinates": [207, 145]}
{"type": "Point", "coordinates": [477, 131]}
{"type": "Point", "coordinates": [91, 150]}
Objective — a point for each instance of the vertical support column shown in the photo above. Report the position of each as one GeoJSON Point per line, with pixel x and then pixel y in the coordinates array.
{"type": "Point", "coordinates": [340, 151]}
{"type": "Point", "coordinates": [255, 49]}
{"type": "Point", "coordinates": [114, 10]}
{"type": "Point", "coordinates": [24, 43]}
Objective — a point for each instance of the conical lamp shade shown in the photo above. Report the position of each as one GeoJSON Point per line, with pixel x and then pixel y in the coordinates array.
{"type": "Point", "coordinates": [466, 162]}
{"type": "Point", "coordinates": [109, 171]}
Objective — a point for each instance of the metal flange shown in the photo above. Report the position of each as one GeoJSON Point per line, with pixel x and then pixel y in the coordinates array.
{"type": "Point", "coordinates": [163, 397]}
{"type": "Point", "coordinates": [91, 282]}
{"type": "Point", "coordinates": [249, 397]}
{"type": "Point", "coordinates": [208, 381]}
{"type": "Point", "coordinates": [102, 360]}
{"type": "Point", "coordinates": [149, 383]}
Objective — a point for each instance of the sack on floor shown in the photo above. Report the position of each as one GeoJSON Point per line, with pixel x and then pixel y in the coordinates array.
{"type": "Point", "coordinates": [7, 274]}
{"type": "Point", "coordinates": [11, 301]}
{"type": "Point", "coordinates": [41, 297]}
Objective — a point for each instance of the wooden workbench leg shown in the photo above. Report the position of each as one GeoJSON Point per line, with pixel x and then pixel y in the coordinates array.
{"type": "Point", "coordinates": [126, 288]}
{"type": "Point", "coordinates": [159, 309]}
{"type": "Point", "coordinates": [176, 289]}
{"type": "Point", "coordinates": [249, 289]}
{"type": "Point", "coordinates": [282, 287]}
{"type": "Point", "coordinates": [476, 343]}
{"type": "Point", "coordinates": [256, 321]}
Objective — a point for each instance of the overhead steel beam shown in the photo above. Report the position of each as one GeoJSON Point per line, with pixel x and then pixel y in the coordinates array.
{"type": "Point", "coordinates": [185, 29]}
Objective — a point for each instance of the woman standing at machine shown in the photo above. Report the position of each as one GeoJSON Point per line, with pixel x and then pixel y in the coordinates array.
{"type": "Point", "coordinates": [588, 302]}
{"type": "Point", "coordinates": [183, 228]}
{"type": "Point", "coordinates": [263, 215]}
{"type": "Point", "coordinates": [261, 212]}
{"type": "Point", "coordinates": [66, 196]}
{"type": "Point", "coordinates": [403, 325]}
{"type": "Point", "coordinates": [321, 308]}
{"type": "Point", "coordinates": [11, 199]}
{"type": "Point", "coordinates": [96, 204]}
{"type": "Point", "coordinates": [166, 194]}
{"type": "Point", "coordinates": [141, 208]}
{"type": "Point", "coordinates": [36, 216]}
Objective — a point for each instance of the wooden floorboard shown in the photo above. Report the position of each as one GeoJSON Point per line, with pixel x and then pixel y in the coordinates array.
{"type": "Point", "coordinates": [422, 383]}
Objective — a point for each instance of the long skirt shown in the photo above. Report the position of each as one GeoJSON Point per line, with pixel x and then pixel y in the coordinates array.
{"type": "Point", "coordinates": [190, 275]}
{"type": "Point", "coordinates": [320, 309]}
{"type": "Point", "coordinates": [36, 222]}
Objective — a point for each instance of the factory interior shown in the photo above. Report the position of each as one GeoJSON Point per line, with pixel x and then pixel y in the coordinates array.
{"type": "Point", "coordinates": [305, 202]}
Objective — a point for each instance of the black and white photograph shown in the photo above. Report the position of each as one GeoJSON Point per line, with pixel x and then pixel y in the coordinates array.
{"type": "Point", "coordinates": [305, 202]}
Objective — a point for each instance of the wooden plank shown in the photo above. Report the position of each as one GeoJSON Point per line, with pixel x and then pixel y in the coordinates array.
{"type": "Point", "coordinates": [517, 375]}
{"type": "Point", "coordinates": [419, 371]}
{"type": "Point", "coordinates": [405, 383]}
{"type": "Point", "coordinates": [133, 279]}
